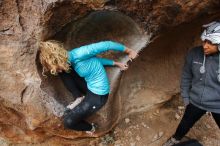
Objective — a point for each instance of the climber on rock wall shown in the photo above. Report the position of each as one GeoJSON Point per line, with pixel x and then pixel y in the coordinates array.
{"type": "Point", "coordinates": [200, 83]}
{"type": "Point", "coordinates": [84, 75]}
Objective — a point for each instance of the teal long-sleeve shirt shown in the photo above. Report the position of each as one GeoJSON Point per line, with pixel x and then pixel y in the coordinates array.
{"type": "Point", "coordinates": [90, 67]}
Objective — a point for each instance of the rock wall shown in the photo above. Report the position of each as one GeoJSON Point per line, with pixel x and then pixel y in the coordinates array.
{"type": "Point", "coordinates": [162, 30]}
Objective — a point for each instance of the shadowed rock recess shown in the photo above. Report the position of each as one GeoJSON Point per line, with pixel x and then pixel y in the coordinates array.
{"type": "Point", "coordinates": [161, 30]}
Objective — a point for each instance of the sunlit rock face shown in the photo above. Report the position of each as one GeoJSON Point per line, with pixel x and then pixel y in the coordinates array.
{"type": "Point", "coordinates": [162, 31]}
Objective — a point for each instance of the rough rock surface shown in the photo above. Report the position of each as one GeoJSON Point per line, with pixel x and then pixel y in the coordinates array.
{"type": "Point", "coordinates": [31, 106]}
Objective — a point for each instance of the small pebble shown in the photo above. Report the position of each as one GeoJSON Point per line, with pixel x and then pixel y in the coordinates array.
{"type": "Point", "coordinates": [181, 107]}
{"type": "Point", "coordinates": [127, 120]}
{"type": "Point", "coordinates": [160, 134]}
{"type": "Point", "coordinates": [138, 138]}
{"type": "Point", "coordinates": [177, 116]}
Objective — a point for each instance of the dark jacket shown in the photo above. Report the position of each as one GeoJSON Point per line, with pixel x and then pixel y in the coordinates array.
{"type": "Point", "coordinates": [202, 90]}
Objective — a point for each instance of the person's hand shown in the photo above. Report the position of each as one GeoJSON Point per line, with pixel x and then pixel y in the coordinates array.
{"type": "Point", "coordinates": [132, 54]}
{"type": "Point", "coordinates": [186, 101]}
{"type": "Point", "coordinates": [122, 66]}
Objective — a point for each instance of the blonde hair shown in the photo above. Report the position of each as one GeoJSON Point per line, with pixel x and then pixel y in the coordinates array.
{"type": "Point", "coordinates": [53, 55]}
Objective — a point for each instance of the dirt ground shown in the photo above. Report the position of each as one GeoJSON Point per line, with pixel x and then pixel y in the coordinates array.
{"type": "Point", "coordinates": [153, 127]}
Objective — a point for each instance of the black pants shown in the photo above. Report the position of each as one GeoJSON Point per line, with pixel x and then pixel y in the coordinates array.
{"type": "Point", "coordinates": [190, 117]}
{"type": "Point", "coordinates": [92, 102]}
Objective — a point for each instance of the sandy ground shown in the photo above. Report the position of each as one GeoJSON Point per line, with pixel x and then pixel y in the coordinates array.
{"type": "Point", "coordinates": [154, 127]}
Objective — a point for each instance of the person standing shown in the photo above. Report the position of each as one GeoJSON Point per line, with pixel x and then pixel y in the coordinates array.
{"type": "Point", "coordinates": [200, 83]}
